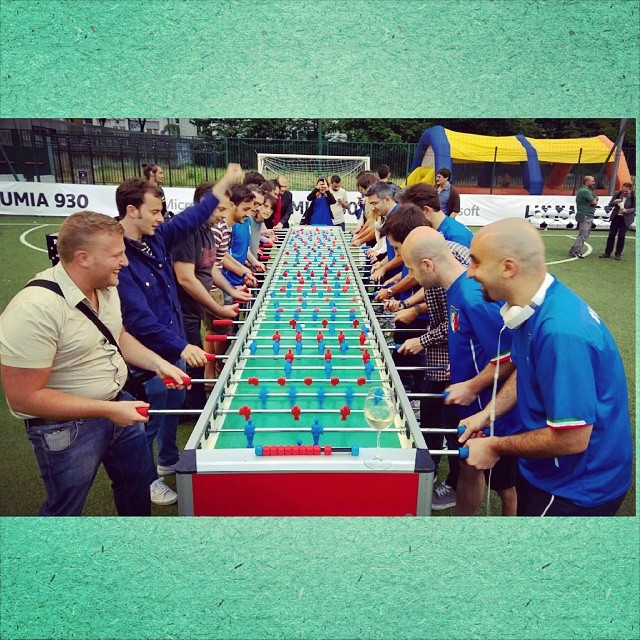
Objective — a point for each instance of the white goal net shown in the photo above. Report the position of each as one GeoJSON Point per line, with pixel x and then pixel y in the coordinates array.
{"type": "Point", "coordinates": [303, 171]}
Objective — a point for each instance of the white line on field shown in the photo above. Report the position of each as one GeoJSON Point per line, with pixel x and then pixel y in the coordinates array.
{"type": "Point", "coordinates": [24, 236]}
{"type": "Point", "coordinates": [588, 252]}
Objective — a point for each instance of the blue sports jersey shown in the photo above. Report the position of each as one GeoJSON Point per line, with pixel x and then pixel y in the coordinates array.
{"type": "Point", "coordinates": [391, 254]}
{"type": "Point", "coordinates": [240, 241]}
{"type": "Point", "coordinates": [474, 327]}
{"type": "Point", "coordinates": [321, 215]}
{"type": "Point", "coordinates": [455, 231]}
{"type": "Point", "coordinates": [570, 375]}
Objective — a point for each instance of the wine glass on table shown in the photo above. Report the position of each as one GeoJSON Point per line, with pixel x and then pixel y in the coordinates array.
{"type": "Point", "coordinates": [379, 412]}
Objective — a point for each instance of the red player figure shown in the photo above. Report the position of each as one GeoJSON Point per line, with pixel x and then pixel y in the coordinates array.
{"type": "Point", "coordinates": [245, 411]}
{"type": "Point", "coordinates": [289, 356]}
{"type": "Point", "coordinates": [308, 381]}
{"type": "Point", "coordinates": [284, 274]}
{"type": "Point", "coordinates": [283, 289]}
{"type": "Point", "coordinates": [327, 354]}
{"type": "Point", "coordinates": [363, 337]}
{"type": "Point", "coordinates": [341, 337]}
{"type": "Point", "coordinates": [334, 381]}
{"type": "Point", "coordinates": [254, 381]}
{"type": "Point", "coordinates": [292, 323]}
{"type": "Point", "coordinates": [314, 289]}
{"type": "Point", "coordinates": [325, 322]}
{"type": "Point", "coordinates": [276, 336]}
{"type": "Point", "coordinates": [312, 274]}
{"type": "Point", "coordinates": [361, 381]}
{"type": "Point", "coordinates": [345, 289]}
{"type": "Point", "coordinates": [319, 337]}
{"type": "Point", "coordinates": [282, 381]}
{"type": "Point", "coordinates": [338, 274]}
{"type": "Point", "coordinates": [365, 356]}
{"type": "Point", "coordinates": [356, 322]}
{"type": "Point", "coordinates": [298, 336]}
{"type": "Point", "coordinates": [347, 281]}
{"type": "Point", "coordinates": [295, 412]}
{"type": "Point", "coordinates": [344, 412]}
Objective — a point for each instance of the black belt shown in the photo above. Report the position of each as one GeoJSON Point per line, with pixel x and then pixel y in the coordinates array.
{"type": "Point", "coordinates": [43, 422]}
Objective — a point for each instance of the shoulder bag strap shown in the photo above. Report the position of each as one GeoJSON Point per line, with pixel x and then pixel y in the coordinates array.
{"type": "Point", "coordinates": [81, 306]}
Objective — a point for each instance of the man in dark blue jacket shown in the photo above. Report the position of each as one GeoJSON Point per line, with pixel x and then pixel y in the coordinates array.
{"type": "Point", "coordinates": [150, 307]}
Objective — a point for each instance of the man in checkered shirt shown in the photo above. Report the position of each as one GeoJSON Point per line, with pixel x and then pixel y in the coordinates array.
{"type": "Point", "coordinates": [433, 412]}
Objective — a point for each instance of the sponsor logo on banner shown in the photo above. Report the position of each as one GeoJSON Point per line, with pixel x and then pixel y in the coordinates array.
{"type": "Point", "coordinates": [54, 199]}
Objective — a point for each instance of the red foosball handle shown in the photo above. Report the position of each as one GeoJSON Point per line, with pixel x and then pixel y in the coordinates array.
{"type": "Point", "coordinates": [222, 322]}
{"type": "Point", "coordinates": [213, 337]}
{"type": "Point", "coordinates": [143, 411]}
{"type": "Point", "coordinates": [186, 380]}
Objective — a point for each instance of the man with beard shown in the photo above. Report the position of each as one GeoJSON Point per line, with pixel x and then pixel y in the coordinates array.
{"type": "Point", "coordinates": [575, 446]}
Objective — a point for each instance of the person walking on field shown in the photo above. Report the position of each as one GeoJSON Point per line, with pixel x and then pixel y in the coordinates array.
{"type": "Point", "coordinates": [586, 202]}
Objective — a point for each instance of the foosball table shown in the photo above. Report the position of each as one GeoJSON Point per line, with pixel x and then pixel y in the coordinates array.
{"type": "Point", "coordinates": [283, 432]}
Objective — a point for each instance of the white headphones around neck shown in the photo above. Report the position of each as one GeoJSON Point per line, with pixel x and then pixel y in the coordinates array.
{"type": "Point", "coordinates": [514, 316]}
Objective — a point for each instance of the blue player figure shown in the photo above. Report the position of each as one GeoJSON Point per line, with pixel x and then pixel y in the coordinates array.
{"type": "Point", "coordinates": [293, 395]}
{"type": "Point", "coordinates": [321, 394]}
{"type": "Point", "coordinates": [314, 315]}
{"type": "Point", "coordinates": [316, 431]}
{"type": "Point", "coordinates": [277, 316]}
{"type": "Point", "coordinates": [332, 317]}
{"type": "Point", "coordinates": [332, 327]}
{"type": "Point", "coordinates": [253, 347]}
{"type": "Point", "coordinates": [368, 369]}
{"type": "Point", "coordinates": [328, 368]}
{"type": "Point", "coordinates": [352, 315]}
{"type": "Point", "coordinates": [263, 394]}
{"type": "Point", "coordinates": [298, 347]}
{"type": "Point", "coordinates": [321, 347]}
{"type": "Point", "coordinates": [296, 315]}
{"type": "Point", "coordinates": [344, 347]}
{"type": "Point", "coordinates": [304, 302]}
{"type": "Point", "coordinates": [288, 367]}
{"type": "Point", "coordinates": [249, 431]}
{"type": "Point", "coordinates": [276, 347]}
{"type": "Point", "coordinates": [348, 397]}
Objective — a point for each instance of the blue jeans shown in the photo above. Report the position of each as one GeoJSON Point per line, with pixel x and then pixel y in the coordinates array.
{"type": "Point", "coordinates": [163, 426]}
{"type": "Point", "coordinates": [69, 454]}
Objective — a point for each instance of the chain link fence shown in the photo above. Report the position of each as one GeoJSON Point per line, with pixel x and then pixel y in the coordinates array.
{"type": "Point", "coordinates": [96, 155]}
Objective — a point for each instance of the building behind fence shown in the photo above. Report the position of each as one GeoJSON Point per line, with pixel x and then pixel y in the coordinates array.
{"type": "Point", "coordinates": [58, 151]}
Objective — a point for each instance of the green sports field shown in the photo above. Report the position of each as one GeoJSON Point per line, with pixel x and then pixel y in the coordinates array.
{"type": "Point", "coordinates": [607, 285]}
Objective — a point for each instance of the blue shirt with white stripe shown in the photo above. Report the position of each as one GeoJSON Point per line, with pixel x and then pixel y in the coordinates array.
{"type": "Point", "coordinates": [570, 375]}
{"type": "Point", "coordinates": [473, 330]}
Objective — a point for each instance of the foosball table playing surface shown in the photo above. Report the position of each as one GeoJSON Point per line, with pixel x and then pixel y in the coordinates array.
{"type": "Point", "coordinates": [283, 432]}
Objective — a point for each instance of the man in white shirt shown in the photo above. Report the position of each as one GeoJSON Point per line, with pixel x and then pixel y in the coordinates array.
{"type": "Point", "coordinates": [342, 204]}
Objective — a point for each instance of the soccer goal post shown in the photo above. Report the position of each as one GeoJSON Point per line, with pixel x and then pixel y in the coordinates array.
{"type": "Point", "coordinates": [302, 171]}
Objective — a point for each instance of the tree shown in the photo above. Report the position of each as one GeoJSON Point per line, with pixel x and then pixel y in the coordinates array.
{"type": "Point", "coordinates": [140, 122]}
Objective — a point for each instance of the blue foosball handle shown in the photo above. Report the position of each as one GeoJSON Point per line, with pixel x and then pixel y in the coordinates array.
{"type": "Point", "coordinates": [464, 453]}
{"type": "Point", "coordinates": [462, 429]}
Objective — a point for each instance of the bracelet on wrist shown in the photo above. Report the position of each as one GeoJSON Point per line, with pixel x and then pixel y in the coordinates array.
{"type": "Point", "coordinates": [416, 307]}
{"type": "Point", "coordinates": [403, 304]}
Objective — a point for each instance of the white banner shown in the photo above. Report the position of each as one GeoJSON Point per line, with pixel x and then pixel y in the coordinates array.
{"type": "Point", "coordinates": [47, 199]}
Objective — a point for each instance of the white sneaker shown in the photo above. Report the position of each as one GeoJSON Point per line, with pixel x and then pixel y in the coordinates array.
{"type": "Point", "coordinates": [444, 497]}
{"type": "Point", "coordinates": [161, 494]}
{"type": "Point", "coordinates": [166, 471]}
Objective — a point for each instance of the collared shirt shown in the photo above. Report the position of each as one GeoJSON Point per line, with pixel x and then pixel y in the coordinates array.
{"type": "Point", "coordinates": [571, 375]}
{"type": "Point", "coordinates": [40, 329]}
{"type": "Point", "coordinates": [435, 340]}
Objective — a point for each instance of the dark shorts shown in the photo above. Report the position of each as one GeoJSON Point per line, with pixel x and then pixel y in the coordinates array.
{"type": "Point", "coordinates": [535, 502]}
{"type": "Point", "coordinates": [503, 475]}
